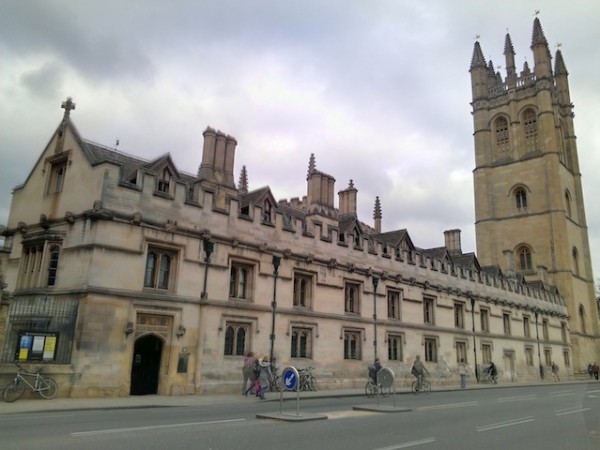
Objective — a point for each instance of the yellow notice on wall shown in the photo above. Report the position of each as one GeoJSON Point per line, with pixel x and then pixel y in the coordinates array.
{"type": "Point", "coordinates": [23, 353]}
{"type": "Point", "coordinates": [49, 347]}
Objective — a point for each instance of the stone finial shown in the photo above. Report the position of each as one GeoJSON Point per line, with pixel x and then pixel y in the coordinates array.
{"type": "Point", "coordinates": [67, 105]}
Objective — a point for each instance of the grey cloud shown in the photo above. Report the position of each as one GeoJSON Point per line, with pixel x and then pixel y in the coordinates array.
{"type": "Point", "coordinates": [45, 81]}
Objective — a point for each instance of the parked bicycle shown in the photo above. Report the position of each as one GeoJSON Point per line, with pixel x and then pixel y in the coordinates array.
{"type": "Point", "coordinates": [35, 381]}
{"type": "Point", "coordinates": [421, 384]}
{"type": "Point", "coordinates": [372, 389]}
{"type": "Point", "coordinates": [308, 382]}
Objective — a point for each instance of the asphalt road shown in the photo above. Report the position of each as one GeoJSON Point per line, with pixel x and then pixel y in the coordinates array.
{"type": "Point", "coordinates": [540, 417]}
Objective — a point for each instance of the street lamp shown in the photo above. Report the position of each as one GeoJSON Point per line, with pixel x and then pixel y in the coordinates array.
{"type": "Point", "coordinates": [209, 246]}
{"type": "Point", "coordinates": [276, 262]}
{"type": "Point", "coordinates": [474, 342]}
{"type": "Point", "coordinates": [375, 282]}
{"type": "Point", "coordinates": [537, 336]}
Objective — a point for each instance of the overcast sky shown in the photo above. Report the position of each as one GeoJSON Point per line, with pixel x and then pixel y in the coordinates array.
{"type": "Point", "coordinates": [378, 90]}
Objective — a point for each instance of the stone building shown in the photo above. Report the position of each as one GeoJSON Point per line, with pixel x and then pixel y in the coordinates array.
{"type": "Point", "coordinates": [126, 276]}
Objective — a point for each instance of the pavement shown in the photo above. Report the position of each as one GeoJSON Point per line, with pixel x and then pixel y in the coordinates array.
{"type": "Point", "coordinates": [32, 404]}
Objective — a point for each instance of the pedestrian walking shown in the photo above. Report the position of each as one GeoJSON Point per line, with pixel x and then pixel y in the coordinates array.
{"type": "Point", "coordinates": [248, 373]}
{"type": "Point", "coordinates": [595, 369]}
{"type": "Point", "coordinates": [555, 376]}
{"type": "Point", "coordinates": [590, 370]}
{"type": "Point", "coordinates": [264, 376]}
{"type": "Point", "coordinates": [462, 370]}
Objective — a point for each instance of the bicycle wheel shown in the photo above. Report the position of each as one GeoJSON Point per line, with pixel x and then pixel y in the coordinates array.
{"type": "Point", "coordinates": [370, 389]}
{"type": "Point", "coordinates": [47, 388]}
{"type": "Point", "coordinates": [426, 386]}
{"type": "Point", "coordinates": [385, 391]}
{"type": "Point", "coordinates": [312, 383]}
{"type": "Point", "coordinates": [414, 387]}
{"type": "Point", "coordinates": [13, 391]}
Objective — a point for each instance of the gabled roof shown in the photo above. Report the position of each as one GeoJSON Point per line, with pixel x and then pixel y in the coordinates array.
{"type": "Point", "coordinates": [395, 238]}
{"type": "Point", "coordinates": [466, 260]}
{"type": "Point", "coordinates": [258, 197]}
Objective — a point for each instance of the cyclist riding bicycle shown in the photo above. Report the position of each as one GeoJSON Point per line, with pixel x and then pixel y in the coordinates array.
{"type": "Point", "coordinates": [418, 370]}
{"type": "Point", "coordinates": [373, 369]}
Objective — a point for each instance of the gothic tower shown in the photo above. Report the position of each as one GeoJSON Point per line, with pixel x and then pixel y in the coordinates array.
{"type": "Point", "coordinates": [529, 208]}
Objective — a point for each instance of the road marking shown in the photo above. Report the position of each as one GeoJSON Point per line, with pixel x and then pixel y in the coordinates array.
{"type": "Point", "coordinates": [561, 393]}
{"type": "Point", "coordinates": [408, 444]}
{"type": "Point", "coordinates": [449, 405]}
{"type": "Point", "coordinates": [592, 392]}
{"type": "Point", "coordinates": [345, 414]}
{"type": "Point", "coordinates": [152, 427]}
{"type": "Point", "coordinates": [564, 412]}
{"type": "Point", "coordinates": [508, 423]}
{"type": "Point", "coordinates": [516, 399]}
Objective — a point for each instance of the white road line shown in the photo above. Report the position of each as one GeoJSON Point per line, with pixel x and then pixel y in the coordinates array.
{"type": "Point", "coordinates": [408, 444]}
{"type": "Point", "coordinates": [561, 393]}
{"type": "Point", "coordinates": [449, 405]}
{"type": "Point", "coordinates": [516, 399]}
{"type": "Point", "coordinates": [508, 423]}
{"type": "Point", "coordinates": [151, 427]}
{"type": "Point", "coordinates": [592, 392]}
{"type": "Point", "coordinates": [573, 411]}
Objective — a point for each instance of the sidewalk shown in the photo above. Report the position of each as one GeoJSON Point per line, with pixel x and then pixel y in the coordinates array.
{"type": "Point", "coordinates": [35, 404]}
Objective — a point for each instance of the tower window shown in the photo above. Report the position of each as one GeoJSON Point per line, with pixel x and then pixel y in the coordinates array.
{"type": "Point", "coordinates": [524, 259]}
{"type": "Point", "coordinates": [582, 318]}
{"type": "Point", "coordinates": [501, 132]}
{"type": "Point", "coordinates": [575, 261]}
{"type": "Point", "coordinates": [521, 199]}
{"type": "Point", "coordinates": [530, 129]}
{"type": "Point", "coordinates": [568, 203]}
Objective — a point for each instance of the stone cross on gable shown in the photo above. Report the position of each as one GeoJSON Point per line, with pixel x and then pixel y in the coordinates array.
{"type": "Point", "coordinates": [68, 105]}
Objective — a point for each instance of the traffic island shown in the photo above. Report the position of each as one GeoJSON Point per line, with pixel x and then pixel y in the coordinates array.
{"type": "Point", "coordinates": [380, 408]}
{"type": "Point", "coordinates": [292, 417]}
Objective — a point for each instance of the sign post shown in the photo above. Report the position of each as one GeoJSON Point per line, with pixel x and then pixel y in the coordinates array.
{"type": "Point", "coordinates": [291, 382]}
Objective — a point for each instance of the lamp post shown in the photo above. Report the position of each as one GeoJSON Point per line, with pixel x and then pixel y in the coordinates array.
{"type": "Point", "coordinates": [375, 283]}
{"type": "Point", "coordinates": [474, 342]}
{"type": "Point", "coordinates": [276, 262]}
{"type": "Point", "coordinates": [537, 336]}
{"type": "Point", "coordinates": [209, 246]}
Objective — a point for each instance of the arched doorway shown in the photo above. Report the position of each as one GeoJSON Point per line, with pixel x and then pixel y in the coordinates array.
{"type": "Point", "coordinates": [145, 367]}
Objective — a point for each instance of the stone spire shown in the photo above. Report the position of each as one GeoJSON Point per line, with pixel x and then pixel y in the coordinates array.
{"type": "Point", "coordinates": [559, 64]}
{"type": "Point", "coordinates": [509, 56]}
{"type": "Point", "coordinates": [541, 52]}
{"type": "Point", "coordinates": [311, 164]}
{"type": "Point", "coordinates": [477, 60]}
{"type": "Point", "coordinates": [243, 183]}
{"type": "Point", "coordinates": [377, 215]}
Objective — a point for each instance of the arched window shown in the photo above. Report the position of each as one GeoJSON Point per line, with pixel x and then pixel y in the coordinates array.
{"type": "Point", "coordinates": [524, 255]}
{"type": "Point", "coordinates": [582, 318]}
{"type": "Point", "coordinates": [530, 129]}
{"type": "Point", "coordinates": [575, 261]}
{"type": "Point", "coordinates": [235, 338]}
{"type": "Point", "coordinates": [568, 203]}
{"type": "Point", "coordinates": [521, 198]}
{"type": "Point", "coordinates": [501, 134]}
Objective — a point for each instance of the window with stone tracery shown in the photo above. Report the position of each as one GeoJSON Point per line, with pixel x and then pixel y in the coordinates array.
{"type": "Point", "coordinates": [501, 133]}
{"type": "Point", "coordinates": [530, 129]}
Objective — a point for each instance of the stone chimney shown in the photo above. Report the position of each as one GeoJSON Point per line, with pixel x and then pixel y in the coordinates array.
{"type": "Point", "coordinates": [452, 241]}
{"type": "Point", "coordinates": [348, 200]}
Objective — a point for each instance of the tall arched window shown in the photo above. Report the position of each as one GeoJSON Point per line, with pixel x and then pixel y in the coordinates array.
{"type": "Point", "coordinates": [582, 318]}
{"type": "Point", "coordinates": [575, 254]}
{"type": "Point", "coordinates": [521, 198]}
{"type": "Point", "coordinates": [501, 134]}
{"type": "Point", "coordinates": [530, 129]}
{"type": "Point", "coordinates": [568, 203]}
{"type": "Point", "coordinates": [524, 255]}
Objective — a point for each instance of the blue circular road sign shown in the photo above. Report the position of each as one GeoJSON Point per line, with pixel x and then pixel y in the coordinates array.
{"type": "Point", "coordinates": [290, 378]}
